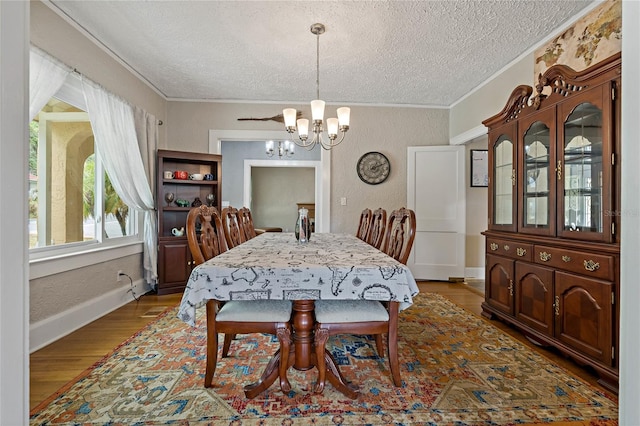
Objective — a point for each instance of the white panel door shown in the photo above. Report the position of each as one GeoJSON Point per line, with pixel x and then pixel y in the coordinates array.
{"type": "Point", "coordinates": [436, 192]}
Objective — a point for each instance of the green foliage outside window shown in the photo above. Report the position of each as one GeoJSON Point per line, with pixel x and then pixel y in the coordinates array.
{"type": "Point", "coordinates": [112, 202]}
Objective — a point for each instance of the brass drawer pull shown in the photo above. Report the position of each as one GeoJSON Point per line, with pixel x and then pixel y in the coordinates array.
{"type": "Point", "coordinates": [566, 258]}
{"type": "Point", "coordinates": [506, 247]}
{"type": "Point", "coordinates": [510, 287]}
{"type": "Point", "coordinates": [544, 256]}
{"type": "Point", "coordinates": [493, 246]}
{"type": "Point", "coordinates": [556, 306]}
{"type": "Point", "coordinates": [591, 266]}
{"type": "Point", "coordinates": [521, 252]}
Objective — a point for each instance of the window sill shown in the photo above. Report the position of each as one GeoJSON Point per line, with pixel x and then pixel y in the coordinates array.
{"type": "Point", "coordinates": [58, 263]}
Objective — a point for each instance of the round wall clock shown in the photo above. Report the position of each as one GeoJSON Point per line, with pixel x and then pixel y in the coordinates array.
{"type": "Point", "coordinates": [373, 168]}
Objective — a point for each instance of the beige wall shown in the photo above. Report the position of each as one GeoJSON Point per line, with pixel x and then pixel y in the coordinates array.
{"type": "Point", "coordinates": [276, 192]}
{"type": "Point", "coordinates": [490, 98]}
{"type": "Point", "coordinates": [56, 37]}
{"type": "Point", "coordinates": [388, 130]}
{"type": "Point", "coordinates": [57, 293]}
{"type": "Point", "coordinates": [477, 213]}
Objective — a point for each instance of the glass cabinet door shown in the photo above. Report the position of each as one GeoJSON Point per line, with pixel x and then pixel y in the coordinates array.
{"type": "Point", "coordinates": [537, 186]}
{"type": "Point", "coordinates": [583, 174]}
{"type": "Point", "coordinates": [502, 169]}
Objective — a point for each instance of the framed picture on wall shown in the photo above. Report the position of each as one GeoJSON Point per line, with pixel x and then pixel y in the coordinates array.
{"type": "Point", "coordinates": [479, 168]}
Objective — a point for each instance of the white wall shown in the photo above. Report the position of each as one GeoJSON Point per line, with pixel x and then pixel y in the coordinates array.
{"type": "Point", "coordinates": [276, 192]}
{"type": "Point", "coordinates": [630, 245]}
{"type": "Point", "coordinates": [14, 298]}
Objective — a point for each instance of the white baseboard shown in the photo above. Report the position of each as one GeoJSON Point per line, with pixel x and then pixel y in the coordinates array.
{"type": "Point", "coordinates": [53, 328]}
{"type": "Point", "coordinates": [477, 273]}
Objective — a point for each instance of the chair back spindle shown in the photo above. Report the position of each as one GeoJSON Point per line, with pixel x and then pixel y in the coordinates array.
{"type": "Point", "coordinates": [233, 231]}
{"type": "Point", "coordinates": [246, 222]}
{"type": "Point", "coordinates": [365, 224]}
{"type": "Point", "coordinates": [377, 228]}
{"type": "Point", "coordinates": [208, 241]}
{"type": "Point", "coordinates": [400, 233]}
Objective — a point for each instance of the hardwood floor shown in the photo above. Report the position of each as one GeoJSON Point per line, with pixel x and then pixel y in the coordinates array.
{"type": "Point", "coordinates": [60, 362]}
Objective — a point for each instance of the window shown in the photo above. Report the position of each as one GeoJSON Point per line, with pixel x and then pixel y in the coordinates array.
{"type": "Point", "coordinates": [72, 203]}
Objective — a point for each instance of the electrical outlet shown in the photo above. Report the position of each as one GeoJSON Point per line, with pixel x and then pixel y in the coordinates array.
{"type": "Point", "coordinates": [119, 276]}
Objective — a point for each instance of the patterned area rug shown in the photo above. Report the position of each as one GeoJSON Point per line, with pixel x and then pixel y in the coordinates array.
{"type": "Point", "coordinates": [456, 369]}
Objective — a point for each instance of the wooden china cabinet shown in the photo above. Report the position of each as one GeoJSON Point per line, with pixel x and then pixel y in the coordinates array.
{"type": "Point", "coordinates": [174, 258]}
{"type": "Point", "coordinates": [553, 246]}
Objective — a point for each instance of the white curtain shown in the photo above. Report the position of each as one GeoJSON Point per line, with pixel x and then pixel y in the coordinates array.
{"type": "Point", "coordinates": [46, 76]}
{"type": "Point", "coordinates": [117, 148]}
{"type": "Point", "coordinates": [147, 132]}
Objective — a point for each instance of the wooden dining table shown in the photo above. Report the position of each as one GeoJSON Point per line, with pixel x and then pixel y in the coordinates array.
{"type": "Point", "coordinates": [276, 266]}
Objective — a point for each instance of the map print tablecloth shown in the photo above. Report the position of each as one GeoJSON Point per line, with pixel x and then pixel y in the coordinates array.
{"type": "Point", "coordinates": [276, 266]}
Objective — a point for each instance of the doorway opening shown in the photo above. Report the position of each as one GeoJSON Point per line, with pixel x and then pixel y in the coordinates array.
{"type": "Point", "coordinates": [274, 188]}
{"type": "Point", "coordinates": [236, 172]}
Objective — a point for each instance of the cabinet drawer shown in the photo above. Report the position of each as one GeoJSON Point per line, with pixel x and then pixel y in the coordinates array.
{"type": "Point", "coordinates": [512, 249]}
{"type": "Point", "coordinates": [584, 263]}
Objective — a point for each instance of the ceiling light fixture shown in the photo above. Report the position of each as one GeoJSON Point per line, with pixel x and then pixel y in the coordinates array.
{"type": "Point", "coordinates": [285, 149]}
{"type": "Point", "coordinates": [317, 113]}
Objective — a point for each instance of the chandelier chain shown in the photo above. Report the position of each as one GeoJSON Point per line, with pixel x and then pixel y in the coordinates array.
{"type": "Point", "coordinates": [318, 65]}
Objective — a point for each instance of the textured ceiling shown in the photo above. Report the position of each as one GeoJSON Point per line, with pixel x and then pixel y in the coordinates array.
{"type": "Point", "coordinates": [373, 52]}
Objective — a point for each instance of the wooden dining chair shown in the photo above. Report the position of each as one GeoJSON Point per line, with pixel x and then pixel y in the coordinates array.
{"type": "Point", "coordinates": [246, 222]}
{"type": "Point", "coordinates": [399, 234]}
{"type": "Point", "coordinates": [368, 317]}
{"type": "Point", "coordinates": [233, 231]}
{"type": "Point", "coordinates": [365, 224]}
{"type": "Point", "coordinates": [377, 228]}
{"type": "Point", "coordinates": [204, 233]}
{"type": "Point", "coordinates": [205, 236]}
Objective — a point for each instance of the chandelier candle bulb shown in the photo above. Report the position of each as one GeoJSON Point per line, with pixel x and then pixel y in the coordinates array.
{"type": "Point", "coordinates": [344, 114]}
{"type": "Point", "coordinates": [317, 110]}
{"type": "Point", "coordinates": [332, 127]}
{"type": "Point", "coordinates": [303, 128]}
{"type": "Point", "coordinates": [289, 115]}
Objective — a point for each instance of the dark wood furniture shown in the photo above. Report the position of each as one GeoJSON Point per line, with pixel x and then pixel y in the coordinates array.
{"type": "Point", "coordinates": [364, 226]}
{"type": "Point", "coordinates": [174, 258]}
{"type": "Point", "coordinates": [378, 227]}
{"type": "Point", "coordinates": [553, 246]}
{"type": "Point", "coordinates": [206, 239]}
{"type": "Point", "coordinates": [233, 228]}
{"type": "Point", "coordinates": [368, 316]}
{"type": "Point", "coordinates": [205, 235]}
{"type": "Point", "coordinates": [399, 234]}
{"type": "Point", "coordinates": [341, 254]}
{"type": "Point", "coordinates": [246, 220]}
